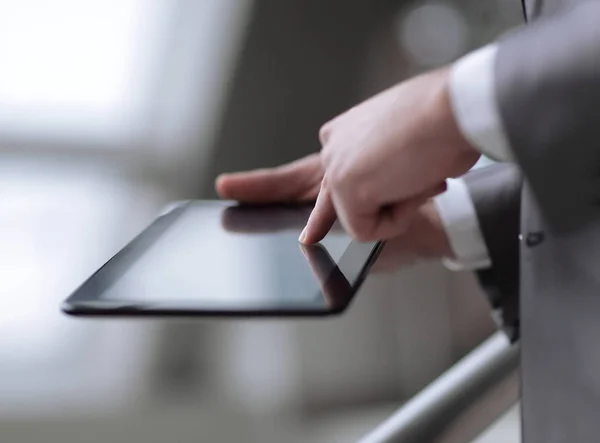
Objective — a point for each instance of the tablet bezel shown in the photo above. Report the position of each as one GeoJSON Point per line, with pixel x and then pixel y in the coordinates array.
{"type": "Point", "coordinates": [80, 303]}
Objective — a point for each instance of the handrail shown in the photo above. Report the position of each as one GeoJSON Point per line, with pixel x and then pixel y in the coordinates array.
{"type": "Point", "coordinates": [426, 416]}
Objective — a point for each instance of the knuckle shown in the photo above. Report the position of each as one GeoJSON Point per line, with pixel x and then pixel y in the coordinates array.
{"type": "Point", "coordinates": [324, 133]}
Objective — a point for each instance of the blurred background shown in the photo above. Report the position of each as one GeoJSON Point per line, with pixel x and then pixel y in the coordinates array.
{"type": "Point", "coordinates": [109, 109]}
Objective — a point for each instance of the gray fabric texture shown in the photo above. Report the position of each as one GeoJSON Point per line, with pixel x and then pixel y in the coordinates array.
{"type": "Point", "coordinates": [548, 89]}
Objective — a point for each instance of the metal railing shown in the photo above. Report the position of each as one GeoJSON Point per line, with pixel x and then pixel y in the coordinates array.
{"type": "Point", "coordinates": [461, 403]}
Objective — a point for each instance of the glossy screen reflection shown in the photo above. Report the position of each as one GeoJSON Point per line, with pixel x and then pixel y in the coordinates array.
{"type": "Point", "coordinates": [214, 257]}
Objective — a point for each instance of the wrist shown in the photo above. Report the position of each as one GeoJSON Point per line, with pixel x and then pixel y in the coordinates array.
{"type": "Point", "coordinates": [461, 153]}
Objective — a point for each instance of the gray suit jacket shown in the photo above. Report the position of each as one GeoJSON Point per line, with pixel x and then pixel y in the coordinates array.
{"type": "Point", "coordinates": [544, 237]}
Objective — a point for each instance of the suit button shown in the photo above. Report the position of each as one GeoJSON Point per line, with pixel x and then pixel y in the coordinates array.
{"type": "Point", "coordinates": [534, 238]}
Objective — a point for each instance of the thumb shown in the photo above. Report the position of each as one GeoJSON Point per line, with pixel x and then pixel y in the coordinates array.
{"type": "Point", "coordinates": [321, 218]}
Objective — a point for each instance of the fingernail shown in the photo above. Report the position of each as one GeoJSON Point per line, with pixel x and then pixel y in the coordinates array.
{"type": "Point", "coordinates": [302, 235]}
{"type": "Point", "coordinates": [219, 180]}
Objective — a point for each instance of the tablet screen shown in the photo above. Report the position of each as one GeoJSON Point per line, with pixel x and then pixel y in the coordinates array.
{"type": "Point", "coordinates": [213, 256]}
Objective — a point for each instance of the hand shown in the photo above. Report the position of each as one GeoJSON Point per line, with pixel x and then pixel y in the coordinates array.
{"type": "Point", "coordinates": [425, 239]}
{"type": "Point", "coordinates": [385, 157]}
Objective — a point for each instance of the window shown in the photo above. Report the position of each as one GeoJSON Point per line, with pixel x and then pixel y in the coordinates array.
{"type": "Point", "coordinates": [93, 79]}
{"type": "Point", "coordinates": [75, 67]}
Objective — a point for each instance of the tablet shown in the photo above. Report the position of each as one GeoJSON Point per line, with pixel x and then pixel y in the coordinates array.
{"type": "Point", "coordinates": [215, 258]}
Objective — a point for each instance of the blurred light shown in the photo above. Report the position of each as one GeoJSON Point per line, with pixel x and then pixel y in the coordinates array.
{"type": "Point", "coordinates": [260, 370]}
{"type": "Point", "coordinates": [44, 224]}
{"type": "Point", "coordinates": [433, 34]}
{"type": "Point", "coordinates": [69, 65]}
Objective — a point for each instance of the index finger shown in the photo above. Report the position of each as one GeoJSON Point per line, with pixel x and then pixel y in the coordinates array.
{"type": "Point", "coordinates": [321, 218]}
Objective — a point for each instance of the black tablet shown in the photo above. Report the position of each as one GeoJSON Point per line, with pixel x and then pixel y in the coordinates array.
{"type": "Point", "coordinates": [214, 258]}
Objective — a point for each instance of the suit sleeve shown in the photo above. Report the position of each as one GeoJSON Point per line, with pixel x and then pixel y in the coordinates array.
{"type": "Point", "coordinates": [496, 194]}
{"type": "Point", "coordinates": [547, 87]}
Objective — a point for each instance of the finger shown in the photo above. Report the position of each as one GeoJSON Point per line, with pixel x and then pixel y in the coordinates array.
{"type": "Point", "coordinates": [321, 218]}
{"type": "Point", "coordinates": [297, 181]}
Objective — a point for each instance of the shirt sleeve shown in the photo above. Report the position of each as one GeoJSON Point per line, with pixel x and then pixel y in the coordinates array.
{"type": "Point", "coordinates": [457, 212]}
{"type": "Point", "coordinates": [475, 108]}
{"type": "Point", "coordinates": [473, 99]}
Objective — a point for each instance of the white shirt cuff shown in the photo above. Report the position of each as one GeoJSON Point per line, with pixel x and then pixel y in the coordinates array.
{"type": "Point", "coordinates": [473, 98]}
{"type": "Point", "coordinates": [459, 218]}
